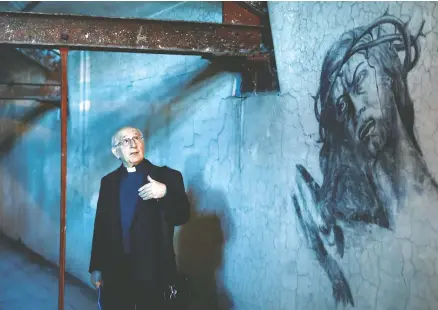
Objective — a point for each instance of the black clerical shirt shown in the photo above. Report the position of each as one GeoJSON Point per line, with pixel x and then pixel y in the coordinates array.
{"type": "Point", "coordinates": [129, 185]}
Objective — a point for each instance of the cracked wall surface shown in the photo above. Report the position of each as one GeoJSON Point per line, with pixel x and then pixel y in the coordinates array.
{"type": "Point", "coordinates": [385, 269]}
{"type": "Point", "coordinates": [244, 246]}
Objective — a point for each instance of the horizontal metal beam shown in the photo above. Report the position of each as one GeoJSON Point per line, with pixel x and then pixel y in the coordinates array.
{"type": "Point", "coordinates": [234, 13]}
{"type": "Point", "coordinates": [24, 91]}
{"type": "Point", "coordinates": [129, 35]}
{"type": "Point", "coordinates": [48, 59]}
{"type": "Point", "coordinates": [259, 8]}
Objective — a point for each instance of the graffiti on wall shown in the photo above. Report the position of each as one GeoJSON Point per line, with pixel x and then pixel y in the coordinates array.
{"type": "Point", "coordinates": [370, 159]}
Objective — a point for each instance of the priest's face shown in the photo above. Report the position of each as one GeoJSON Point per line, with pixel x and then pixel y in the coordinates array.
{"type": "Point", "coordinates": [128, 146]}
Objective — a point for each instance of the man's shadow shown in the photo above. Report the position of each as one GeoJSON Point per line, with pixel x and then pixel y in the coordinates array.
{"type": "Point", "coordinates": [201, 241]}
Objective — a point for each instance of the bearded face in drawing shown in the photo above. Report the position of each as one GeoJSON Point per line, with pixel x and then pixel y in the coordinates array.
{"type": "Point", "coordinates": [364, 112]}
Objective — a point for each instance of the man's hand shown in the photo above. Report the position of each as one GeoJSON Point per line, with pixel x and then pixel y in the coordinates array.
{"type": "Point", "coordinates": [96, 278]}
{"type": "Point", "coordinates": [152, 190]}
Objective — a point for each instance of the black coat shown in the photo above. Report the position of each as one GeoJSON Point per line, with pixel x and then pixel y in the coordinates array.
{"type": "Point", "coordinates": [107, 248]}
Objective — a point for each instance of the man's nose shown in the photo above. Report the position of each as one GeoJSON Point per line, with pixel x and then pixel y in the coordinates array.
{"type": "Point", "coordinates": [359, 104]}
{"type": "Point", "coordinates": [132, 143]}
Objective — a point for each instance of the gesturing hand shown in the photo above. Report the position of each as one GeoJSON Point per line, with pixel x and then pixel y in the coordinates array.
{"type": "Point", "coordinates": [152, 190]}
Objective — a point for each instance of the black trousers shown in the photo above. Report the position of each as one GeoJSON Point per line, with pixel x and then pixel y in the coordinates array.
{"type": "Point", "coordinates": [126, 292]}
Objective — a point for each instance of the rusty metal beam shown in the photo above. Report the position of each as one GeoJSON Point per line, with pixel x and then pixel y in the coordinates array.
{"type": "Point", "coordinates": [63, 202]}
{"type": "Point", "coordinates": [50, 60]}
{"type": "Point", "coordinates": [129, 35]}
{"type": "Point", "coordinates": [259, 73]}
{"type": "Point", "coordinates": [259, 8]}
{"type": "Point", "coordinates": [25, 91]}
{"type": "Point", "coordinates": [234, 13]}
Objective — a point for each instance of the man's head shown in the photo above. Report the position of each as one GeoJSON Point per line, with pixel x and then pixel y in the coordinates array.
{"type": "Point", "coordinates": [128, 146]}
{"type": "Point", "coordinates": [363, 108]}
{"type": "Point", "coordinates": [364, 103]}
{"type": "Point", "coordinates": [363, 93]}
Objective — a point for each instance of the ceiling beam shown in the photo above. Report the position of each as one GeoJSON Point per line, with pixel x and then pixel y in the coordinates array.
{"type": "Point", "coordinates": [27, 91]}
{"type": "Point", "coordinates": [259, 8]}
{"type": "Point", "coordinates": [234, 13]}
{"type": "Point", "coordinates": [129, 35]}
{"type": "Point", "coordinates": [259, 73]}
{"type": "Point", "coordinates": [48, 59]}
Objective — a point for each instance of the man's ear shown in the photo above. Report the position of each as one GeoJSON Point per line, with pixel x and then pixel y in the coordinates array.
{"type": "Point", "coordinates": [114, 150]}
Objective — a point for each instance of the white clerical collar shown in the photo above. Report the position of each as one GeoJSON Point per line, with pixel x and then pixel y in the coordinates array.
{"type": "Point", "coordinates": [131, 169]}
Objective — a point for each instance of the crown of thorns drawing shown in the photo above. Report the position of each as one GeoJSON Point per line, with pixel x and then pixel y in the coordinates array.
{"type": "Point", "coordinates": [401, 35]}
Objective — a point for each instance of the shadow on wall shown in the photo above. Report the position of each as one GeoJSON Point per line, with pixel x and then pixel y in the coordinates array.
{"type": "Point", "coordinates": [21, 125]}
{"type": "Point", "coordinates": [20, 117]}
{"type": "Point", "coordinates": [201, 241]}
{"type": "Point", "coordinates": [158, 107]}
{"type": "Point", "coordinates": [180, 99]}
{"type": "Point", "coordinates": [169, 116]}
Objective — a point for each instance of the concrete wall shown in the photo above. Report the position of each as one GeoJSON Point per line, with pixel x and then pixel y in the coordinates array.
{"type": "Point", "coordinates": [29, 148]}
{"type": "Point", "coordinates": [356, 228]}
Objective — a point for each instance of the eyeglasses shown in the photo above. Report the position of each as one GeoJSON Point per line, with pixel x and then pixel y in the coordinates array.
{"type": "Point", "coordinates": [127, 141]}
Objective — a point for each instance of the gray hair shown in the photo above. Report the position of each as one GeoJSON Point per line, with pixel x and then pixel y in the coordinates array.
{"type": "Point", "coordinates": [115, 137]}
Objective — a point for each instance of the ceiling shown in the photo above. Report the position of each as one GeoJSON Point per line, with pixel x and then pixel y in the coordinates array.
{"type": "Point", "coordinates": [139, 9]}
